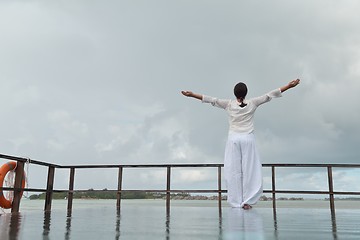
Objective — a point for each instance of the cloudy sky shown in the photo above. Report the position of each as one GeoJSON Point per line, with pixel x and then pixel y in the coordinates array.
{"type": "Point", "coordinates": [98, 82]}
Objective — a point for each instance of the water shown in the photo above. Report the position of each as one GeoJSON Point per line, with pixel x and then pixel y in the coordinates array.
{"type": "Point", "coordinates": [147, 219]}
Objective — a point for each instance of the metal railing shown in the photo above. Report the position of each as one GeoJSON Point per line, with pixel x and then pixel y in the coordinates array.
{"type": "Point", "coordinates": [168, 190]}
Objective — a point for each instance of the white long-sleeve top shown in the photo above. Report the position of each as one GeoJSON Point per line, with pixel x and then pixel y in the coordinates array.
{"type": "Point", "coordinates": [241, 119]}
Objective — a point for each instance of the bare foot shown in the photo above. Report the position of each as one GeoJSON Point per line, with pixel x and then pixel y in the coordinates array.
{"type": "Point", "coordinates": [247, 207]}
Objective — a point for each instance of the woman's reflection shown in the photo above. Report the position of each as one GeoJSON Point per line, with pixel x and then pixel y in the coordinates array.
{"type": "Point", "coordinates": [243, 224]}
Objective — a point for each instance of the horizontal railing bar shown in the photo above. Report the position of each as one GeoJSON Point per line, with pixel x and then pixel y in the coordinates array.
{"type": "Point", "coordinates": [113, 190]}
{"type": "Point", "coordinates": [210, 191]}
{"type": "Point", "coordinates": [174, 191]}
{"type": "Point", "coordinates": [207, 165]}
{"type": "Point", "coordinates": [311, 192]}
{"type": "Point", "coordinates": [340, 165]}
{"type": "Point", "coordinates": [143, 165]}
{"type": "Point", "coordinates": [177, 191]}
{"type": "Point", "coordinates": [27, 189]}
{"type": "Point", "coordinates": [22, 159]}
{"type": "Point", "coordinates": [127, 190]}
{"type": "Point", "coordinates": [296, 192]}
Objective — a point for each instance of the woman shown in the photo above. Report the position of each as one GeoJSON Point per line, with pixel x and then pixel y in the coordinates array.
{"type": "Point", "coordinates": [242, 166]}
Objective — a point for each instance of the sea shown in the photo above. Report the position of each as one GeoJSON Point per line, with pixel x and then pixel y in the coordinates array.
{"type": "Point", "coordinates": [186, 219]}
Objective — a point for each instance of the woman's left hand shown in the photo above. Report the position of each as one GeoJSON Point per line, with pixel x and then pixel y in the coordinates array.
{"type": "Point", "coordinates": [294, 83]}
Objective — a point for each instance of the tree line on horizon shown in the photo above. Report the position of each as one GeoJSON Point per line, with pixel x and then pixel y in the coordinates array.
{"type": "Point", "coordinates": [106, 194]}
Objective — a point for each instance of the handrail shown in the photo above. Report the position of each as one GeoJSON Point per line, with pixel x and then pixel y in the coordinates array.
{"type": "Point", "coordinates": [143, 165]}
{"type": "Point", "coordinates": [24, 160]}
{"type": "Point", "coordinates": [51, 172]}
{"type": "Point", "coordinates": [340, 165]}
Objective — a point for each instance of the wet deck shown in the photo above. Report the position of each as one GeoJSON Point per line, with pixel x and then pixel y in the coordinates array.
{"type": "Point", "coordinates": [147, 219]}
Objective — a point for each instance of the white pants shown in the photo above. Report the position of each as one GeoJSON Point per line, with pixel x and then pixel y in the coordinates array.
{"type": "Point", "coordinates": [243, 170]}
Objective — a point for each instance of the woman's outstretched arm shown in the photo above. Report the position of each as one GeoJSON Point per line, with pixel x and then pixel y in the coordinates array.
{"type": "Point", "coordinates": [291, 84]}
{"type": "Point", "coordinates": [220, 103]}
{"type": "Point", "coordinates": [193, 95]}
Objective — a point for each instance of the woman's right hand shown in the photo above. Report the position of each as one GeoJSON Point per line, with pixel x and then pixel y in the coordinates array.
{"type": "Point", "coordinates": [187, 93]}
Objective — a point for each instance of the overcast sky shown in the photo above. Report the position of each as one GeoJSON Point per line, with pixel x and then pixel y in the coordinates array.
{"type": "Point", "coordinates": [98, 82]}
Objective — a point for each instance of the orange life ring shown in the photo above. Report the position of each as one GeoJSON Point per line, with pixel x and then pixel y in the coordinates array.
{"type": "Point", "coordinates": [4, 169]}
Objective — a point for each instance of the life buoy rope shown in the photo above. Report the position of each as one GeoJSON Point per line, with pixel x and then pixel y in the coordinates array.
{"type": "Point", "coordinates": [4, 169]}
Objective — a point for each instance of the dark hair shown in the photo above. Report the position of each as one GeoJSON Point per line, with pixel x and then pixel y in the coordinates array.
{"type": "Point", "coordinates": [240, 91]}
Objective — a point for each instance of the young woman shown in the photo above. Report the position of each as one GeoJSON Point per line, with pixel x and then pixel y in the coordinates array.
{"type": "Point", "coordinates": [242, 166]}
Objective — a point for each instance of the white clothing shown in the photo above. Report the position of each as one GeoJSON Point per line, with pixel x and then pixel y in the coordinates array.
{"type": "Point", "coordinates": [242, 170]}
{"type": "Point", "coordinates": [241, 119]}
{"type": "Point", "coordinates": [242, 166]}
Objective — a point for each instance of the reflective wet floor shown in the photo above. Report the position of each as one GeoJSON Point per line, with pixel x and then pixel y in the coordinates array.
{"type": "Point", "coordinates": [148, 219]}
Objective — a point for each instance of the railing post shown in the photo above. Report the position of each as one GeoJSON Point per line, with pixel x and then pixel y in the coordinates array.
{"type": "Point", "coordinates": [168, 176]}
{"type": "Point", "coordinates": [118, 197]}
{"type": "Point", "coordinates": [273, 186]}
{"type": "Point", "coordinates": [19, 173]}
{"type": "Point", "coordinates": [71, 191]}
{"type": "Point", "coordinates": [331, 191]}
{"type": "Point", "coordinates": [219, 189]}
{"type": "Point", "coordinates": [49, 188]}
